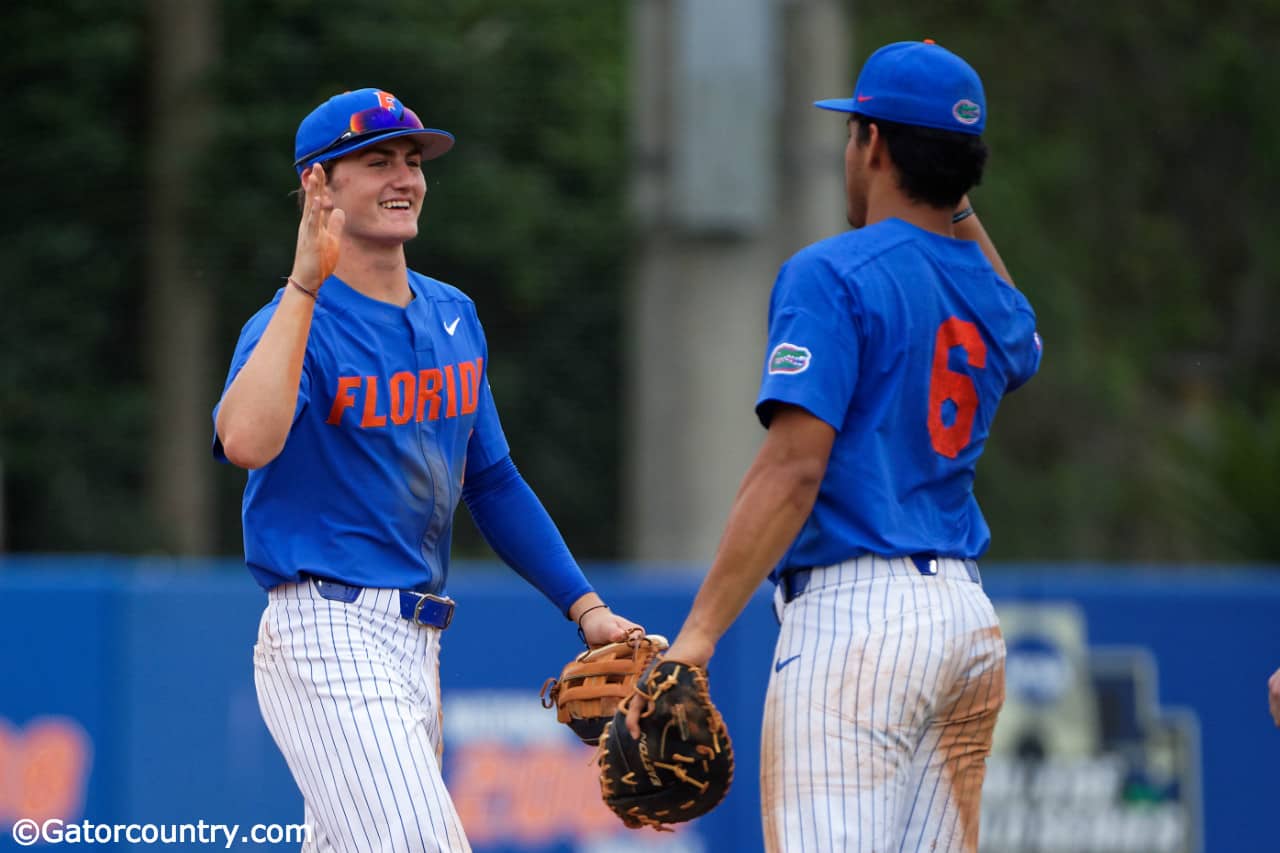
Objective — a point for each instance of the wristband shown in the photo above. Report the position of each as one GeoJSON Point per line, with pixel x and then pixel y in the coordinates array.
{"type": "Point", "coordinates": [961, 215]}
{"type": "Point", "coordinates": [581, 635]}
{"type": "Point", "coordinates": [311, 293]}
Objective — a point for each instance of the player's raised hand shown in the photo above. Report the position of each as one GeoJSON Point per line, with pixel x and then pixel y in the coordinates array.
{"type": "Point", "coordinates": [319, 232]}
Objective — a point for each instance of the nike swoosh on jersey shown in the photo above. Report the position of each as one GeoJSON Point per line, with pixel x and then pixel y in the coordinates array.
{"type": "Point", "coordinates": [452, 327]}
{"type": "Point", "coordinates": [777, 667]}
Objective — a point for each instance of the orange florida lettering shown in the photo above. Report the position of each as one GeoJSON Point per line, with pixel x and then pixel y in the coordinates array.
{"type": "Point", "coordinates": [452, 410]}
{"type": "Point", "coordinates": [343, 398]}
{"type": "Point", "coordinates": [401, 397]}
{"type": "Point", "coordinates": [469, 379]}
{"type": "Point", "coordinates": [408, 396]}
{"type": "Point", "coordinates": [429, 384]}
{"type": "Point", "coordinates": [371, 417]}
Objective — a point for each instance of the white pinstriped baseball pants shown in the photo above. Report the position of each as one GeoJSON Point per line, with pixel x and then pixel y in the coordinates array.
{"type": "Point", "coordinates": [351, 694]}
{"type": "Point", "coordinates": [880, 711]}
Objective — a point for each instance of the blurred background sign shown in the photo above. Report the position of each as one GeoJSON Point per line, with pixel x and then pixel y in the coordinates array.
{"type": "Point", "coordinates": [128, 697]}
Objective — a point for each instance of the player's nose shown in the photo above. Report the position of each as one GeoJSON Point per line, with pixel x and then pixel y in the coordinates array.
{"type": "Point", "coordinates": [404, 176]}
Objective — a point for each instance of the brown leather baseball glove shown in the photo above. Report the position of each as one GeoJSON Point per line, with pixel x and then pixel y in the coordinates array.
{"type": "Point", "coordinates": [591, 685]}
{"type": "Point", "coordinates": [682, 764]}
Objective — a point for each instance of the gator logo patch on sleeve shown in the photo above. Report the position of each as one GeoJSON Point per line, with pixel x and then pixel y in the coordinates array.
{"type": "Point", "coordinates": [789, 358]}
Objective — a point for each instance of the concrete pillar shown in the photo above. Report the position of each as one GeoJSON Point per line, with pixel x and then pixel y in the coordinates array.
{"type": "Point", "coordinates": [705, 259]}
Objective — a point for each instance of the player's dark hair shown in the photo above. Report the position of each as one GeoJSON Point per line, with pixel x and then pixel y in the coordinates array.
{"type": "Point", "coordinates": [936, 167]}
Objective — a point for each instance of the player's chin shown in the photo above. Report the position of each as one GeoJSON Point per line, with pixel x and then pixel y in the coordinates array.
{"type": "Point", "coordinates": [399, 231]}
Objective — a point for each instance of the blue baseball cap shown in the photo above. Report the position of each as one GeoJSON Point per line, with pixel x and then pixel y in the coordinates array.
{"type": "Point", "coordinates": [352, 120]}
{"type": "Point", "coordinates": [919, 83]}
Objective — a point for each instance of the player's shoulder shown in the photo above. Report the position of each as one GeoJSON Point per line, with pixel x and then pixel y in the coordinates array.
{"type": "Point", "coordinates": [254, 326]}
{"type": "Point", "coordinates": [849, 250]}
{"type": "Point", "coordinates": [1011, 299]}
{"type": "Point", "coordinates": [435, 290]}
{"type": "Point", "coordinates": [831, 267]}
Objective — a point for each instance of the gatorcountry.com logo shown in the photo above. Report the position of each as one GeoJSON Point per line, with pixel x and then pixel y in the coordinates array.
{"type": "Point", "coordinates": [966, 111]}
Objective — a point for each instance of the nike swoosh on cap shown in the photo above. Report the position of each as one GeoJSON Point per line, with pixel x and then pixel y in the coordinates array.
{"type": "Point", "coordinates": [862, 98]}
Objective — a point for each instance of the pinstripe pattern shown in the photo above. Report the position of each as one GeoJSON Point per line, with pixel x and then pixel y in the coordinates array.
{"type": "Point", "coordinates": [875, 736]}
{"type": "Point", "coordinates": [351, 694]}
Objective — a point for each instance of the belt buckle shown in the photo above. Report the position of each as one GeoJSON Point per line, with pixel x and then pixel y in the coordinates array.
{"type": "Point", "coordinates": [427, 596]}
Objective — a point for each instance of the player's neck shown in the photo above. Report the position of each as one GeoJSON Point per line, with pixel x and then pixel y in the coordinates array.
{"type": "Point", "coordinates": [380, 275]}
{"type": "Point", "coordinates": [886, 201]}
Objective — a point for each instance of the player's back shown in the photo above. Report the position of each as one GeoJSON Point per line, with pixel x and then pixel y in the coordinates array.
{"type": "Point", "coordinates": [929, 339]}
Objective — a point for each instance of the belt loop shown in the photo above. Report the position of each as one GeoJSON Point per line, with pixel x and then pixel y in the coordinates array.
{"type": "Point", "coordinates": [926, 564]}
{"type": "Point", "coordinates": [794, 583]}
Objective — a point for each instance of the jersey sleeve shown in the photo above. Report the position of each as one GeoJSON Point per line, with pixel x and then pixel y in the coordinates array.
{"type": "Point", "coordinates": [249, 337]}
{"type": "Point", "coordinates": [488, 444]}
{"type": "Point", "coordinates": [812, 356]}
{"type": "Point", "coordinates": [1027, 350]}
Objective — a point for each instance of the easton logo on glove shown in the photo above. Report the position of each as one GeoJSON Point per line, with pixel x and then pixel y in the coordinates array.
{"type": "Point", "coordinates": [592, 684]}
{"type": "Point", "coordinates": [681, 765]}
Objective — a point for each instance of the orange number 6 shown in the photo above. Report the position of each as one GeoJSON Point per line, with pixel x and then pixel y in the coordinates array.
{"type": "Point", "coordinates": [945, 384]}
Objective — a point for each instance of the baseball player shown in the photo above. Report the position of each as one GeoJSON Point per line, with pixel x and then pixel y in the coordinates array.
{"type": "Point", "coordinates": [889, 349]}
{"type": "Point", "coordinates": [1273, 689]}
{"type": "Point", "coordinates": [359, 400]}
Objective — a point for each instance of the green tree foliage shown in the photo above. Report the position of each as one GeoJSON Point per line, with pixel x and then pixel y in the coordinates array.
{"type": "Point", "coordinates": [1133, 154]}
{"type": "Point", "coordinates": [524, 215]}
{"type": "Point", "coordinates": [72, 404]}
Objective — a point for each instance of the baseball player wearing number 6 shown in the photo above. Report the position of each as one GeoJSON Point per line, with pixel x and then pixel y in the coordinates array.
{"type": "Point", "coordinates": [889, 349]}
{"type": "Point", "coordinates": [358, 399]}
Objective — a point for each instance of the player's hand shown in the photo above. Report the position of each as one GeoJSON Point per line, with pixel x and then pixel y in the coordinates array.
{"type": "Point", "coordinates": [319, 232]}
{"type": "Point", "coordinates": [1274, 684]}
{"type": "Point", "coordinates": [602, 626]}
{"type": "Point", "coordinates": [687, 648]}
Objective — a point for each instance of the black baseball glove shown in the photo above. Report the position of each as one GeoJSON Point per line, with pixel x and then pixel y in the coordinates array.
{"type": "Point", "coordinates": [681, 766]}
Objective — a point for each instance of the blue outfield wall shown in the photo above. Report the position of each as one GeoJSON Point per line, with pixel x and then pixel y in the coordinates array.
{"type": "Point", "coordinates": [1136, 718]}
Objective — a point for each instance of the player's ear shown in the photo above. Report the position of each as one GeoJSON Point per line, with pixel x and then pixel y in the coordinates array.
{"type": "Point", "coordinates": [876, 149]}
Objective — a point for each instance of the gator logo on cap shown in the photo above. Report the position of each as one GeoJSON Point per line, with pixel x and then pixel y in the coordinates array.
{"type": "Point", "coordinates": [789, 358]}
{"type": "Point", "coordinates": [966, 111]}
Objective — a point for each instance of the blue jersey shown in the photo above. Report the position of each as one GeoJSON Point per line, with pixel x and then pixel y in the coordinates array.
{"type": "Point", "coordinates": [904, 341]}
{"type": "Point", "coordinates": [393, 408]}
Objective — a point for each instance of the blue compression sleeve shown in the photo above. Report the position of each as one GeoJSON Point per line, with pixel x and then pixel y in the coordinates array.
{"type": "Point", "coordinates": [519, 530]}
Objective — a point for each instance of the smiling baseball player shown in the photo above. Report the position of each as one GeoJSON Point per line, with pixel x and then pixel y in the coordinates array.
{"type": "Point", "coordinates": [359, 400]}
{"type": "Point", "coordinates": [890, 348]}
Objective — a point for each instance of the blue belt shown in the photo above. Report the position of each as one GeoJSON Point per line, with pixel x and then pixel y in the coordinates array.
{"type": "Point", "coordinates": [420, 607]}
{"type": "Point", "coordinates": [796, 581]}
